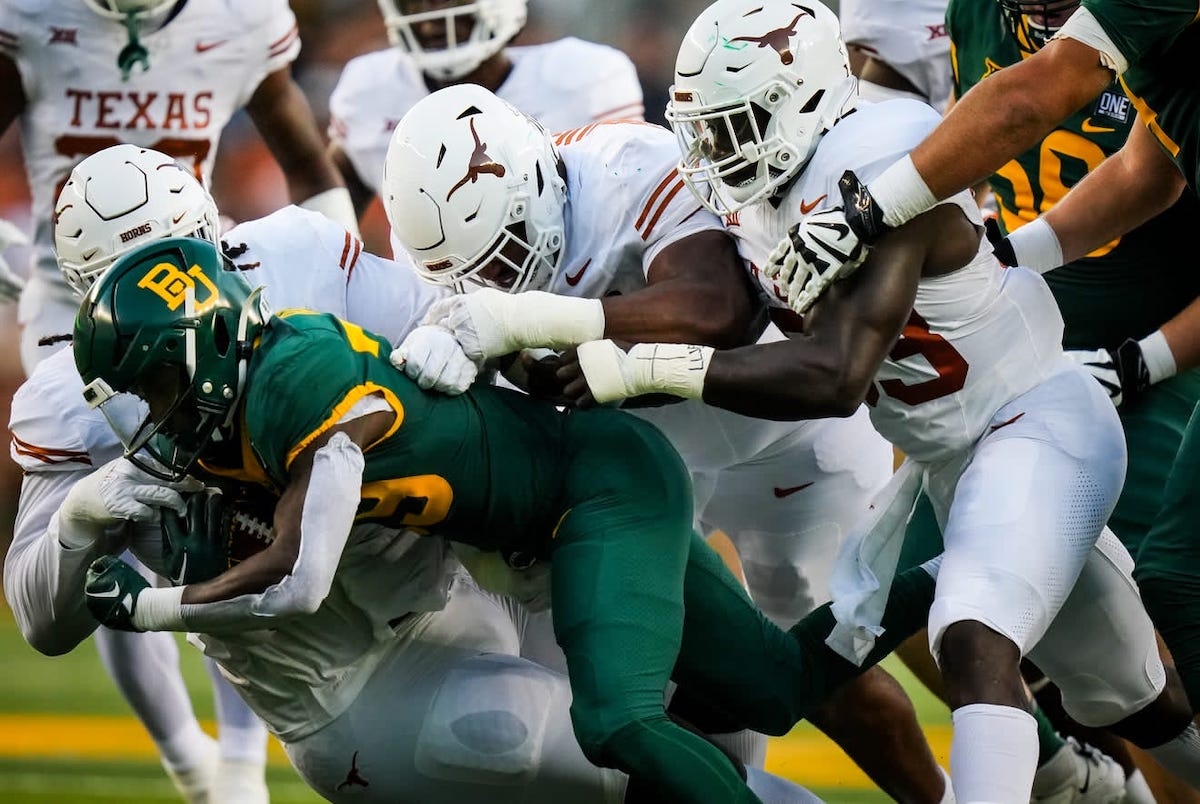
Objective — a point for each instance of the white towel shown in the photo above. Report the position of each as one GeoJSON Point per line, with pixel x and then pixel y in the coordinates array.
{"type": "Point", "coordinates": [866, 565]}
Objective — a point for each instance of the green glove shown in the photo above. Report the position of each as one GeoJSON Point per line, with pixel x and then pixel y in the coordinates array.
{"type": "Point", "coordinates": [112, 590]}
{"type": "Point", "coordinates": [196, 544]}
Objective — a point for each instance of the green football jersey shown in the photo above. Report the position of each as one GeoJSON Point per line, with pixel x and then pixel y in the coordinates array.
{"type": "Point", "coordinates": [485, 467]}
{"type": "Point", "coordinates": [1160, 41]}
{"type": "Point", "coordinates": [1126, 288]}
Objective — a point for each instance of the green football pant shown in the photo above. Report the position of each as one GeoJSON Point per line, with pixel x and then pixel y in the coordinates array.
{"type": "Point", "coordinates": [638, 597]}
{"type": "Point", "coordinates": [1167, 566]}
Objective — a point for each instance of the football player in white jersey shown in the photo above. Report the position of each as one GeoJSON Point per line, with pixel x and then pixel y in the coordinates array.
{"type": "Point", "coordinates": [478, 192]}
{"type": "Point", "coordinates": [961, 362]}
{"type": "Point", "coordinates": [82, 75]}
{"type": "Point", "coordinates": [565, 83]}
{"type": "Point", "coordinates": [899, 49]}
{"type": "Point", "coordinates": [415, 644]}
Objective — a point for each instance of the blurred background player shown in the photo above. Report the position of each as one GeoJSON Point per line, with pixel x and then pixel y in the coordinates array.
{"type": "Point", "coordinates": [563, 83]}
{"type": "Point", "coordinates": [898, 49]}
{"type": "Point", "coordinates": [80, 76]}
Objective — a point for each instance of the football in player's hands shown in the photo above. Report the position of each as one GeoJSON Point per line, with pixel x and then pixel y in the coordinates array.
{"type": "Point", "coordinates": [220, 528]}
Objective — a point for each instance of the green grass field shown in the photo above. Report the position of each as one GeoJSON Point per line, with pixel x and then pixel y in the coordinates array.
{"type": "Point", "coordinates": [66, 735]}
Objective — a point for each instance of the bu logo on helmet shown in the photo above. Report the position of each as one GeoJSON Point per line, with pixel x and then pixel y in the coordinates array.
{"type": "Point", "coordinates": [778, 38]}
{"type": "Point", "coordinates": [480, 163]}
{"type": "Point", "coordinates": [171, 285]}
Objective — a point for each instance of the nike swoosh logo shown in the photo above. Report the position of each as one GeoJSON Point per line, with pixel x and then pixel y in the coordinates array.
{"type": "Point", "coordinates": [1087, 780]}
{"type": "Point", "coordinates": [790, 490]}
{"type": "Point", "coordinates": [1089, 127]}
{"type": "Point", "coordinates": [178, 579]}
{"type": "Point", "coordinates": [202, 47]}
{"type": "Point", "coordinates": [573, 279]}
{"type": "Point", "coordinates": [177, 218]}
{"type": "Point", "coordinates": [807, 208]}
{"type": "Point", "coordinates": [113, 592]}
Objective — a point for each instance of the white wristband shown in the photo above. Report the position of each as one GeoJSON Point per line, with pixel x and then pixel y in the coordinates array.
{"type": "Point", "coordinates": [1160, 361]}
{"type": "Point", "coordinates": [539, 319]}
{"type": "Point", "coordinates": [678, 369]}
{"type": "Point", "coordinates": [336, 205]}
{"type": "Point", "coordinates": [901, 194]}
{"type": "Point", "coordinates": [1036, 246]}
{"type": "Point", "coordinates": [160, 609]}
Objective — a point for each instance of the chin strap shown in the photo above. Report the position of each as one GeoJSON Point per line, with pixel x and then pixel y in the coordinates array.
{"type": "Point", "coordinates": [134, 51]}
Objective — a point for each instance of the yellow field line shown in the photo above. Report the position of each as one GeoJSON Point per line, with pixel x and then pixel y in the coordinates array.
{"type": "Point", "coordinates": [804, 756]}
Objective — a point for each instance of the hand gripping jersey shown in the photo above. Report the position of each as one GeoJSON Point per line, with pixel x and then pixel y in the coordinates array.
{"type": "Point", "coordinates": [1115, 293]}
{"type": "Point", "coordinates": [1160, 48]}
{"type": "Point", "coordinates": [907, 35]}
{"type": "Point", "coordinates": [561, 84]}
{"type": "Point", "coordinates": [205, 63]}
{"type": "Point", "coordinates": [784, 491]}
{"type": "Point", "coordinates": [976, 338]}
{"type": "Point", "coordinates": [484, 467]}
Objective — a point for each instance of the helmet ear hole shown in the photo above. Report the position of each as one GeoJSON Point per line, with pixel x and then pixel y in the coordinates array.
{"type": "Point", "coordinates": [222, 337]}
{"type": "Point", "coordinates": [541, 180]}
{"type": "Point", "coordinates": [813, 102]}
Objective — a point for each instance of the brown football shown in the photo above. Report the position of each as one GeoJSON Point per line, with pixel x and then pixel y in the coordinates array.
{"type": "Point", "coordinates": [250, 517]}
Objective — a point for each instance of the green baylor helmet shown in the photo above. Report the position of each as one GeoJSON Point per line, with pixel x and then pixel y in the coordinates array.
{"type": "Point", "coordinates": [170, 323]}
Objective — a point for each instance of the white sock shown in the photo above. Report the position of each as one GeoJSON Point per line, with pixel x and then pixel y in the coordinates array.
{"type": "Point", "coordinates": [1181, 756]}
{"type": "Point", "coordinates": [948, 795]}
{"type": "Point", "coordinates": [1137, 790]}
{"type": "Point", "coordinates": [993, 754]}
{"type": "Point", "coordinates": [748, 746]}
{"type": "Point", "coordinates": [242, 735]}
{"type": "Point", "coordinates": [774, 790]}
{"type": "Point", "coordinates": [145, 668]}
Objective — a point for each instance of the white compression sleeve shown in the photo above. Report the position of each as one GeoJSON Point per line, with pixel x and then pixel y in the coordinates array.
{"type": "Point", "coordinates": [329, 507]}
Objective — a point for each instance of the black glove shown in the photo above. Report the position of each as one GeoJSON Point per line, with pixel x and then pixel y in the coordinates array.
{"type": "Point", "coordinates": [1122, 371]}
{"type": "Point", "coordinates": [196, 545]}
{"type": "Point", "coordinates": [862, 213]}
{"type": "Point", "coordinates": [1001, 247]}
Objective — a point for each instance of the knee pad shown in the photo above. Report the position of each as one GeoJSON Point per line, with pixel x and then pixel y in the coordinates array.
{"type": "Point", "coordinates": [487, 723]}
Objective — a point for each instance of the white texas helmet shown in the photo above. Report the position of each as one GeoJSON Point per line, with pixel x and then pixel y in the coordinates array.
{"type": "Point", "coordinates": [492, 24]}
{"type": "Point", "coordinates": [467, 180]}
{"type": "Point", "coordinates": [119, 198]}
{"type": "Point", "coordinates": [757, 82]}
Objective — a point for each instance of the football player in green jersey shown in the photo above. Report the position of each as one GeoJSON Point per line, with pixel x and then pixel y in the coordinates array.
{"type": "Point", "coordinates": [311, 407]}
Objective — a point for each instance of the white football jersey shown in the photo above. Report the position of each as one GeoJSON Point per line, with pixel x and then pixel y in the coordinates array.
{"type": "Point", "coordinates": [976, 338]}
{"type": "Point", "coordinates": [205, 63]}
{"type": "Point", "coordinates": [561, 84]}
{"type": "Point", "coordinates": [909, 36]}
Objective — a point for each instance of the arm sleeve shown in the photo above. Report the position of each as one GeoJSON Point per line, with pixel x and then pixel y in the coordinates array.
{"type": "Point", "coordinates": [330, 503]}
{"type": "Point", "coordinates": [43, 580]}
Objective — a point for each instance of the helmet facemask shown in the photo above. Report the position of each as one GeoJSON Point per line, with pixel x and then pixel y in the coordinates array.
{"type": "Point", "coordinates": [1032, 23]}
{"type": "Point", "coordinates": [757, 83]}
{"type": "Point", "coordinates": [732, 155]}
{"type": "Point", "coordinates": [470, 33]}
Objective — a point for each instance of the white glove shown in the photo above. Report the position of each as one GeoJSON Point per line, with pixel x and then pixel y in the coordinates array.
{"type": "Point", "coordinates": [11, 284]}
{"type": "Point", "coordinates": [120, 491]}
{"type": "Point", "coordinates": [613, 374]}
{"type": "Point", "coordinates": [530, 586]}
{"type": "Point", "coordinates": [818, 250]}
{"type": "Point", "coordinates": [490, 323]}
{"type": "Point", "coordinates": [432, 358]}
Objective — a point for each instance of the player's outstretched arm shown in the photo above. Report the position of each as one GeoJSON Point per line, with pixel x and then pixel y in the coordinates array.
{"type": "Point", "coordinates": [284, 119]}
